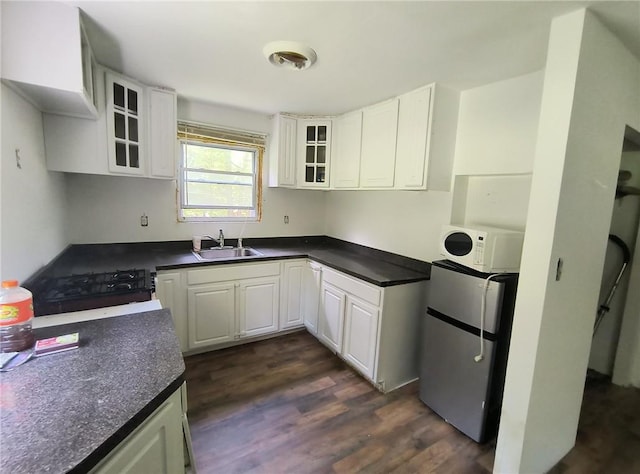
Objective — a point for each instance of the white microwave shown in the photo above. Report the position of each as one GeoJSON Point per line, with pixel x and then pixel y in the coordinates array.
{"type": "Point", "coordinates": [481, 248]}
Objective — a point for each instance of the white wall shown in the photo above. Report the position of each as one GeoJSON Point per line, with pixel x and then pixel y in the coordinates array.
{"type": "Point", "coordinates": [33, 202]}
{"type": "Point", "coordinates": [497, 129]}
{"type": "Point", "coordinates": [403, 222]}
{"type": "Point", "coordinates": [108, 208]}
{"type": "Point", "coordinates": [497, 126]}
{"type": "Point", "coordinates": [590, 93]}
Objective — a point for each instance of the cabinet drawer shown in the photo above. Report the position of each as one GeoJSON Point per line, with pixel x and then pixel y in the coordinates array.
{"type": "Point", "coordinates": [232, 272]}
{"type": "Point", "coordinates": [358, 288]}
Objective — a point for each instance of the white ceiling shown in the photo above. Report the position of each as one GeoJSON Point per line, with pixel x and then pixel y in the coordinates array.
{"type": "Point", "coordinates": [211, 51]}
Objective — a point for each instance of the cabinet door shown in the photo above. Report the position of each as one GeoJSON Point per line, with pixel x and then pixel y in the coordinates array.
{"type": "Point", "coordinates": [162, 133]}
{"type": "Point", "coordinates": [125, 125]}
{"type": "Point", "coordinates": [378, 155]}
{"type": "Point", "coordinates": [331, 316]}
{"type": "Point", "coordinates": [314, 150]}
{"type": "Point", "coordinates": [155, 446]}
{"type": "Point", "coordinates": [282, 151]}
{"type": "Point", "coordinates": [291, 295]}
{"type": "Point", "coordinates": [360, 335]}
{"type": "Point", "coordinates": [77, 145]}
{"type": "Point", "coordinates": [259, 303]}
{"type": "Point", "coordinates": [347, 139]}
{"type": "Point", "coordinates": [47, 57]}
{"type": "Point", "coordinates": [171, 293]}
{"type": "Point", "coordinates": [311, 296]}
{"type": "Point", "coordinates": [413, 135]}
{"type": "Point", "coordinates": [211, 314]}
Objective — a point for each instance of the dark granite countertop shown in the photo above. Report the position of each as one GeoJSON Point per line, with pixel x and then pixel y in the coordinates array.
{"type": "Point", "coordinates": [374, 266]}
{"type": "Point", "coordinates": [64, 412]}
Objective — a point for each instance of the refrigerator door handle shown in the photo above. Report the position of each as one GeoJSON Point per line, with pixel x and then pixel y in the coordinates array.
{"type": "Point", "coordinates": [483, 311]}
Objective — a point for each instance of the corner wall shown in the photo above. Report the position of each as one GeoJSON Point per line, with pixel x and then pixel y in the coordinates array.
{"type": "Point", "coordinates": [33, 202]}
{"type": "Point", "coordinates": [590, 94]}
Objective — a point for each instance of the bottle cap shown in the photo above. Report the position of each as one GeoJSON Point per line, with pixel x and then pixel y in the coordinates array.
{"type": "Point", "coordinates": [9, 283]}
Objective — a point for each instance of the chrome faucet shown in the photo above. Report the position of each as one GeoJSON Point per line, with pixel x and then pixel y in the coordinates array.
{"type": "Point", "coordinates": [219, 240]}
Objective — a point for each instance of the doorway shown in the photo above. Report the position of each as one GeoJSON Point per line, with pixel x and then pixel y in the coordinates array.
{"type": "Point", "coordinates": [625, 224]}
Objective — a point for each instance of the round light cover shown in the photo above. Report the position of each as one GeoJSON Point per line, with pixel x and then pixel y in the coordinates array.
{"type": "Point", "coordinates": [290, 54]}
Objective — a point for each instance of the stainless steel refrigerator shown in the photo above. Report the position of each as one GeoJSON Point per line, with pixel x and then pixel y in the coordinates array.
{"type": "Point", "coordinates": [463, 353]}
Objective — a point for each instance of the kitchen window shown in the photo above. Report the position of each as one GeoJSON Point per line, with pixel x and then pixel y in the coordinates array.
{"type": "Point", "coordinates": [219, 175]}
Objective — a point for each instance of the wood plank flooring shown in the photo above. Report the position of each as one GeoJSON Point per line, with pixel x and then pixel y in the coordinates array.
{"type": "Point", "coordinates": [288, 405]}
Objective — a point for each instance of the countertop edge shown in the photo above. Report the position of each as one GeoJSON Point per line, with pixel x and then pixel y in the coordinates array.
{"type": "Point", "coordinates": [125, 430]}
{"type": "Point", "coordinates": [295, 255]}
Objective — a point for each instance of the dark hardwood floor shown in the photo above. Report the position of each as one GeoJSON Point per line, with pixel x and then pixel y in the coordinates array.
{"type": "Point", "coordinates": [288, 405]}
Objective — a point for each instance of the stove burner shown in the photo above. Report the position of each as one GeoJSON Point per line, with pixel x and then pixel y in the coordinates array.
{"type": "Point", "coordinates": [124, 276]}
{"type": "Point", "coordinates": [92, 290]}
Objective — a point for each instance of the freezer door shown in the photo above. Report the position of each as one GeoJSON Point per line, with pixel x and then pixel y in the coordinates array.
{"type": "Point", "coordinates": [452, 383]}
{"type": "Point", "coordinates": [459, 296]}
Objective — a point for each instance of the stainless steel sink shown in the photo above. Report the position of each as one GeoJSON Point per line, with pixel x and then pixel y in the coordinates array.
{"type": "Point", "coordinates": [218, 253]}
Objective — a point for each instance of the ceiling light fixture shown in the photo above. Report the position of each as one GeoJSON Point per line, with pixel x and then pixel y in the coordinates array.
{"type": "Point", "coordinates": [290, 54]}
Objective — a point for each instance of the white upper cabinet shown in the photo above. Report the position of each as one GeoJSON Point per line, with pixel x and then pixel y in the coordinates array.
{"type": "Point", "coordinates": [125, 124]}
{"type": "Point", "coordinates": [378, 155]}
{"type": "Point", "coordinates": [282, 151]}
{"type": "Point", "coordinates": [413, 134]}
{"type": "Point", "coordinates": [47, 58]}
{"type": "Point", "coordinates": [77, 145]}
{"type": "Point", "coordinates": [314, 153]}
{"type": "Point", "coordinates": [299, 152]}
{"type": "Point", "coordinates": [406, 143]}
{"type": "Point", "coordinates": [134, 133]}
{"type": "Point", "coordinates": [163, 132]}
{"type": "Point", "coordinates": [347, 140]}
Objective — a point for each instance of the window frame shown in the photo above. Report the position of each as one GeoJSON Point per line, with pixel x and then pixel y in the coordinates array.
{"type": "Point", "coordinates": [203, 136]}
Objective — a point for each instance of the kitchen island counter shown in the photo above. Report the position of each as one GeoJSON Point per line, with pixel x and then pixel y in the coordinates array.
{"type": "Point", "coordinates": [374, 266]}
{"type": "Point", "coordinates": [64, 412]}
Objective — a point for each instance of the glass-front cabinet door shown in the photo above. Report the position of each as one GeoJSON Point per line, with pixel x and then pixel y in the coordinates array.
{"type": "Point", "coordinates": [314, 138]}
{"type": "Point", "coordinates": [125, 105]}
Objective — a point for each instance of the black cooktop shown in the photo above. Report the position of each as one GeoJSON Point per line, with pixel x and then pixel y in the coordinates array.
{"type": "Point", "coordinates": [92, 290]}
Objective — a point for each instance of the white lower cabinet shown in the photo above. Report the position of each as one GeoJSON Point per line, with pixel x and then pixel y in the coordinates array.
{"type": "Point", "coordinates": [259, 302]}
{"type": "Point", "coordinates": [311, 279]}
{"type": "Point", "coordinates": [211, 314]}
{"type": "Point", "coordinates": [291, 294]}
{"type": "Point", "coordinates": [372, 328]}
{"type": "Point", "coordinates": [171, 293]}
{"type": "Point", "coordinates": [215, 306]}
{"type": "Point", "coordinates": [331, 316]}
{"type": "Point", "coordinates": [360, 335]}
{"type": "Point", "coordinates": [155, 446]}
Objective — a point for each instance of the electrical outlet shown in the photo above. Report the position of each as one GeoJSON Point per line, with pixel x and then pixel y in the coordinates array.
{"type": "Point", "coordinates": [144, 220]}
{"type": "Point", "coordinates": [286, 219]}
